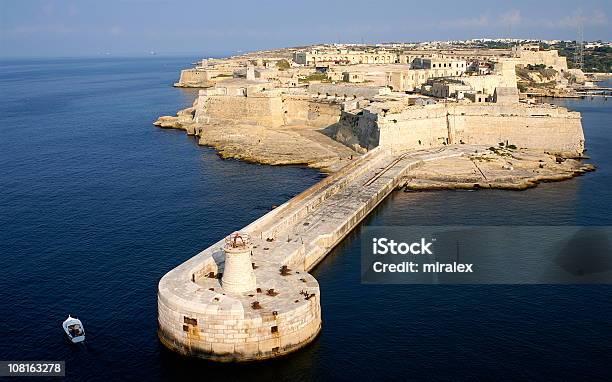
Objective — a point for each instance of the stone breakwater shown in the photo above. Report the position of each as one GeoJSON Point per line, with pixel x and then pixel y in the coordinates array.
{"type": "Point", "coordinates": [198, 317]}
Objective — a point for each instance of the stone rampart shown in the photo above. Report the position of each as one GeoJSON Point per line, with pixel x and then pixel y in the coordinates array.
{"type": "Point", "coordinates": [303, 110]}
{"type": "Point", "coordinates": [347, 91]}
{"type": "Point", "coordinates": [546, 128]}
{"type": "Point", "coordinates": [546, 57]}
{"type": "Point", "coordinates": [270, 109]}
{"type": "Point", "coordinates": [195, 78]}
{"type": "Point", "coordinates": [263, 110]}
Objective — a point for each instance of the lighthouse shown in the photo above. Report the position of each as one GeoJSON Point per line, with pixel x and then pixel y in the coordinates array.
{"type": "Point", "coordinates": [238, 275]}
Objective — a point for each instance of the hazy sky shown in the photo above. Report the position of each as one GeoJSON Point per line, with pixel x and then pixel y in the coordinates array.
{"type": "Point", "coordinates": [134, 27]}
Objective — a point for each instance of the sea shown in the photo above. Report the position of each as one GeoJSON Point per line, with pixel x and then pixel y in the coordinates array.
{"type": "Point", "coordinates": [97, 204]}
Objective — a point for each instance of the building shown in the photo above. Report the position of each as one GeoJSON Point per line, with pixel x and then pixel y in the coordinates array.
{"type": "Point", "coordinates": [441, 67]}
{"type": "Point", "coordinates": [407, 80]}
{"type": "Point", "coordinates": [477, 97]}
{"type": "Point", "coordinates": [506, 95]}
{"type": "Point", "coordinates": [533, 55]}
{"type": "Point", "coordinates": [446, 88]}
{"type": "Point", "coordinates": [316, 57]}
{"type": "Point", "coordinates": [353, 77]}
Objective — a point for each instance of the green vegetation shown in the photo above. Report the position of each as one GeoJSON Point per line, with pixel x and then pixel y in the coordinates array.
{"type": "Point", "coordinates": [315, 77]}
{"type": "Point", "coordinates": [542, 70]}
{"type": "Point", "coordinates": [283, 64]}
{"type": "Point", "coordinates": [544, 85]}
{"type": "Point", "coordinates": [496, 45]}
{"type": "Point", "coordinates": [598, 59]}
{"type": "Point", "coordinates": [527, 78]}
{"type": "Point", "coordinates": [523, 74]}
{"type": "Point", "coordinates": [501, 151]}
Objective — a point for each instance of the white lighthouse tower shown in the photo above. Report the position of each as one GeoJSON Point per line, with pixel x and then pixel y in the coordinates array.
{"type": "Point", "coordinates": [238, 275]}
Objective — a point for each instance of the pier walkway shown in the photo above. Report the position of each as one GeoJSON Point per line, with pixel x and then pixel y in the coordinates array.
{"type": "Point", "coordinates": [197, 317]}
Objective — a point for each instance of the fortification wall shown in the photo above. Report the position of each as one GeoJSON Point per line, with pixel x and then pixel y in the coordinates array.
{"type": "Point", "coordinates": [253, 110]}
{"type": "Point", "coordinates": [303, 110]}
{"type": "Point", "coordinates": [415, 127]}
{"type": "Point", "coordinates": [419, 127]}
{"type": "Point", "coordinates": [548, 129]}
{"type": "Point", "coordinates": [224, 331]}
{"type": "Point", "coordinates": [347, 91]}
{"type": "Point", "coordinates": [194, 78]}
{"type": "Point", "coordinates": [267, 109]}
{"type": "Point", "coordinates": [537, 127]}
{"type": "Point", "coordinates": [546, 57]}
{"type": "Point", "coordinates": [544, 128]}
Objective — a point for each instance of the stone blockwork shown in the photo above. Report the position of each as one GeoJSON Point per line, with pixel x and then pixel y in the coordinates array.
{"type": "Point", "coordinates": [303, 110]}
{"type": "Point", "coordinates": [543, 127]}
{"type": "Point", "coordinates": [197, 317]}
{"type": "Point", "coordinates": [270, 109]}
{"type": "Point", "coordinates": [197, 78]}
{"type": "Point", "coordinates": [259, 109]}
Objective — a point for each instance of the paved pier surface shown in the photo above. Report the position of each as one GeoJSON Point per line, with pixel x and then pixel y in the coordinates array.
{"type": "Point", "coordinates": [198, 318]}
{"type": "Point", "coordinates": [312, 223]}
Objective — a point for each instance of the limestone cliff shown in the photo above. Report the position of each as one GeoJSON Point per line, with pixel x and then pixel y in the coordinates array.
{"type": "Point", "coordinates": [272, 129]}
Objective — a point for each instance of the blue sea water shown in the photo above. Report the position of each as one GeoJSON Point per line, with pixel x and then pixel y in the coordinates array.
{"type": "Point", "coordinates": [96, 204]}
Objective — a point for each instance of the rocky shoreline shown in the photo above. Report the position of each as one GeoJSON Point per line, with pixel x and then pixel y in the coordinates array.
{"type": "Point", "coordinates": [294, 145]}
{"type": "Point", "coordinates": [275, 108]}
{"type": "Point", "coordinates": [487, 168]}
{"type": "Point", "coordinates": [495, 168]}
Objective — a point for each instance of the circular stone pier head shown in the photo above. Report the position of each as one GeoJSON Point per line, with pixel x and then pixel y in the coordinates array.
{"type": "Point", "coordinates": [233, 303]}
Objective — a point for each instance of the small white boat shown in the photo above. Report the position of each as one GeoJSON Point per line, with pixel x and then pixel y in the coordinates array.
{"type": "Point", "coordinates": [74, 329]}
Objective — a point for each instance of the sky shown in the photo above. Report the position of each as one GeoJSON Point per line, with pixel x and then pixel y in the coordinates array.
{"type": "Point", "coordinates": [71, 28]}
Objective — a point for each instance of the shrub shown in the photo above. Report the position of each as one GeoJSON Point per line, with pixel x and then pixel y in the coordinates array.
{"type": "Point", "coordinates": [314, 77]}
{"type": "Point", "coordinates": [283, 65]}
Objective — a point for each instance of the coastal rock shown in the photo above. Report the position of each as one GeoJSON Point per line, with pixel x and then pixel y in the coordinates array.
{"type": "Point", "coordinates": [299, 145]}
{"type": "Point", "coordinates": [264, 141]}
{"type": "Point", "coordinates": [183, 120]}
{"type": "Point", "coordinates": [490, 169]}
{"type": "Point", "coordinates": [167, 122]}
